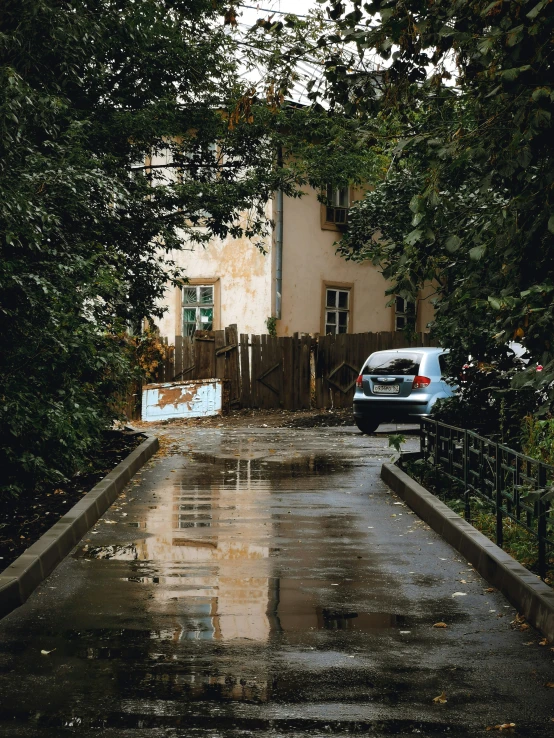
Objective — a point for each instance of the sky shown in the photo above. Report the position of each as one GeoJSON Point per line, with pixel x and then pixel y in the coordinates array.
{"type": "Point", "coordinates": [300, 7]}
{"type": "Point", "coordinates": [250, 11]}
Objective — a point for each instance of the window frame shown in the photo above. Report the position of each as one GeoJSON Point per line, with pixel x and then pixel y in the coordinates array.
{"type": "Point", "coordinates": [197, 282]}
{"type": "Point", "coordinates": [339, 214]}
{"type": "Point", "coordinates": [404, 314]}
{"type": "Point", "coordinates": [342, 287]}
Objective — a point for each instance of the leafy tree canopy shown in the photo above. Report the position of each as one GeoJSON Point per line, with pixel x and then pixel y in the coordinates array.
{"type": "Point", "coordinates": [465, 91]}
{"type": "Point", "coordinates": [89, 90]}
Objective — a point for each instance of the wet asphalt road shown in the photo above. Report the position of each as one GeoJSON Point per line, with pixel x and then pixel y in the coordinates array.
{"type": "Point", "coordinates": [265, 582]}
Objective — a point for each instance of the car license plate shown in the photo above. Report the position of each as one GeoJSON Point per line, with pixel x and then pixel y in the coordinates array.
{"type": "Point", "coordinates": [386, 389]}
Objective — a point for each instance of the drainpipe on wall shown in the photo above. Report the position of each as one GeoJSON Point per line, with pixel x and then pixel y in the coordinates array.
{"type": "Point", "coordinates": [279, 243]}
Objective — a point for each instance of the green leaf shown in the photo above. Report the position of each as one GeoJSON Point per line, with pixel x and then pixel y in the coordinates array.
{"type": "Point", "coordinates": [532, 14]}
{"type": "Point", "coordinates": [524, 157]}
{"type": "Point", "coordinates": [541, 92]}
{"type": "Point", "coordinates": [551, 224]}
{"type": "Point", "coordinates": [477, 253]}
{"type": "Point", "coordinates": [490, 7]}
{"type": "Point", "coordinates": [549, 495]}
{"type": "Point", "coordinates": [510, 74]}
{"type": "Point", "coordinates": [413, 237]}
{"type": "Point", "coordinates": [396, 440]}
{"type": "Point", "coordinates": [452, 244]}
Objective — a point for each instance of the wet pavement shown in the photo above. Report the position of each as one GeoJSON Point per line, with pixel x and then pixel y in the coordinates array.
{"type": "Point", "coordinates": [265, 582]}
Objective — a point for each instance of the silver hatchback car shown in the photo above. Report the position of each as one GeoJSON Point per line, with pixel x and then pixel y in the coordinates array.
{"type": "Point", "coordinates": [399, 384]}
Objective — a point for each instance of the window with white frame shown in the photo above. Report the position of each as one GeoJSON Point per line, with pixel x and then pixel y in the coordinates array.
{"type": "Point", "coordinates": [338, 202]}
{"type": "Point", "coordinates": [198, 308]}
{"type": "Point", "coordinates": [337, 310]}
{"type": "Point", "coordinates": [404, 313]}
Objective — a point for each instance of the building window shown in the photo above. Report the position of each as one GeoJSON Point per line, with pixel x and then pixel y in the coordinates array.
{"type": "Point", "coordinates": [337, 310]}
{"type": "Point", "coordinates": [198, 308]}
{"type": "Point", "coordinates": [338, 202]}
{"type": "Point", "coordinates": [404, 313]}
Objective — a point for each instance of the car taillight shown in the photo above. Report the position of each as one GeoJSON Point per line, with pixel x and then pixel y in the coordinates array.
{"type": "Point", "coordinates": [421, 382]}
{"type": "Point", "coordinates": [359, 381]}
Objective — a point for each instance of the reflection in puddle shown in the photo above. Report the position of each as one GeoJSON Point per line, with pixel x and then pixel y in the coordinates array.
{"type": "Point", "coordinates": [214, 526]}
{"type": "Point", "coordinates": [206, 555]}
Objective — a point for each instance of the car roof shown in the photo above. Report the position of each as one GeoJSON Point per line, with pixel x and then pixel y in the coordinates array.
{"type": "Point", "coordinates": [419, 349]}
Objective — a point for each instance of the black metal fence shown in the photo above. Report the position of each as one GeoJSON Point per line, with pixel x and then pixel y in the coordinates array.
{"type": "Point", "coordinates": [512, 485]}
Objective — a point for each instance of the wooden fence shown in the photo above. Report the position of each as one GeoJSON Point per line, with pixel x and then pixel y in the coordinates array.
{"type": "Point", "coordinates": [268, 372]}
{"type": "Point", "coordinates": [338, 360]}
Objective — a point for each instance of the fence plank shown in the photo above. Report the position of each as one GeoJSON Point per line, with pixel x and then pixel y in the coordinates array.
{"type": "Point", "coordinates": [232, 364]}
{"type": "Point", "coordinates": [255, 369]}
{"type": "Point", "coordinates": [204, 354]}
{"type": "Point", "coordinates": [245, 398]}
{"type": "Point", "coordinates": [189, 368]}
{"type": "Point", "coordinates": [304, 375]}
{"type": "Point", "coordinates": [178, 356]}
{"type": "Point", "coordinates": [295, 359]}
{"type": "Point", "coordinates": [288, 373]}
{"type": "Point", "coordinates": [277, 380]}
{"type": "Point", "coordinates": [320, 371]}
{"type": "Point", "coordinates": [262, 390]}
{"type": "Point", "coordinates": [219, 343]}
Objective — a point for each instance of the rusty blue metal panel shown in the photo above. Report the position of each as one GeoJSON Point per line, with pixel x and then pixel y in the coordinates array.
{"type": "Point", "coordinates": [193, 399]}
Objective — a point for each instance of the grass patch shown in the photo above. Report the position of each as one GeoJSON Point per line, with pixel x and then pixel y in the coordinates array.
{"type": "Point", "coordinates": [518, 542]}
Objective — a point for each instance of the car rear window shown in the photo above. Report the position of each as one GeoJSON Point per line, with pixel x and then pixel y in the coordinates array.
{"type": "Point", "coordinates": [390, 362]}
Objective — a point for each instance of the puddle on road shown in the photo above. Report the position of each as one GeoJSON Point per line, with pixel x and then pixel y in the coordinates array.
{"type": "Point", "coordinates": [207, 552]}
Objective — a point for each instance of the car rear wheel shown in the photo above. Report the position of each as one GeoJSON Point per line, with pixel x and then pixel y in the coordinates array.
{"type": "Point", "coordinates": [367, 425]}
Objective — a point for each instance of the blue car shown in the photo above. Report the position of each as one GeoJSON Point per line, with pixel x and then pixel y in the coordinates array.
{"type": "Point", "coordinates": [401, 385]}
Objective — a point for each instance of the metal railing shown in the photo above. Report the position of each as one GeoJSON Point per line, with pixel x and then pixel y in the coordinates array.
{"type": "Point", "coordinates": [513, 486]}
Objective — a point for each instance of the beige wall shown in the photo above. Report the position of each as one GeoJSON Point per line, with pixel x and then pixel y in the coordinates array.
{"type": "Point", "coordinates": [242, 288]}
{"type": "Point", "coordinates": [309, 261]}
{"type": "Point", "coordinates": [244, 279]}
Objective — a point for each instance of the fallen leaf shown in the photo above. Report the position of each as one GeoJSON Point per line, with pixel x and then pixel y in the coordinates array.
{"type": "Point", "coordinates": [503, 726]}
{"type": "Point", "coordinates": [490, 589]}
{"type": "Point", "coordinates": [45, 653]}
{"type": "Point", "coordinates": [544, 642]}
{"type": "Point", "coordinates": [549, 684]}
{"type": "Point", "coordinates": [441, 699]}
{"type": "Point", "coordinates": [440, 625]}
{"type": "Point", "coordinates": [459, 594]}
{"type": "Point", "coordinates": [463, 581]}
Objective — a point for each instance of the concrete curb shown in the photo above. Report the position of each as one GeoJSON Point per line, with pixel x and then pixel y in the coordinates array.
{"type": "Point", "coordinates": [22, 577]}
{"type": "Point", "coordinates": [532, 597]}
